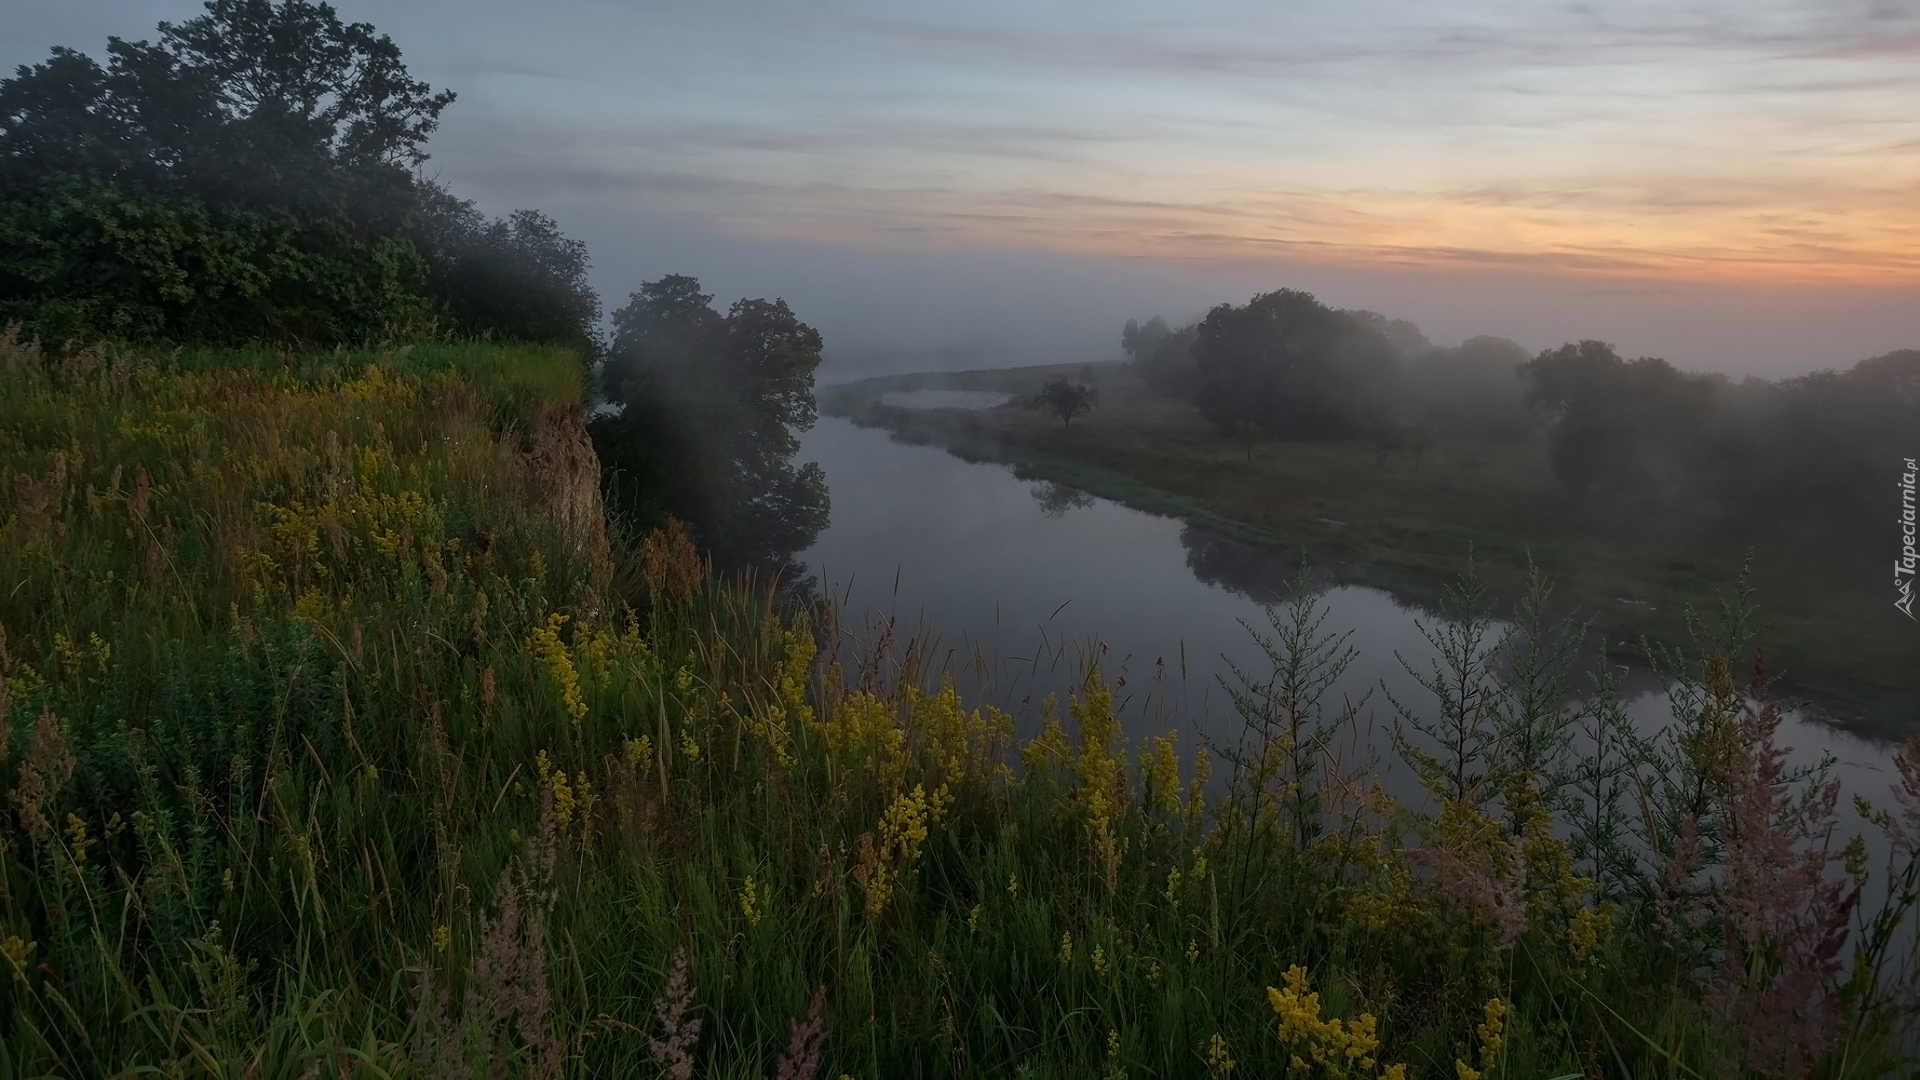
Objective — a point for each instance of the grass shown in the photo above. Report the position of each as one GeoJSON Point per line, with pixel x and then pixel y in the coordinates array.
{"type": "Point", "coordinates": [1407, 528]}
{"type": "Point", "coordinates": [336, 744]}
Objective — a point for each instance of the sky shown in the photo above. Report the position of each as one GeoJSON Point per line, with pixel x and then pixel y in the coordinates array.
{"type": "Point", "coordinates": [1734, 186]}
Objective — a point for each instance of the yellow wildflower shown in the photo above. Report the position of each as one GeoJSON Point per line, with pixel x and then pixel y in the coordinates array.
{"type": "Point", "coordinates": [17, 952]}
{"type": "Point", "coordinates": [562, 798]}
{"type": "Point", "coordinates": [1337, 1045]}
{"type": "Point", "coordinates": [904, 826]}
{"type": "Point", "coordinates": [77, 834]}
{"type": "Point", "coordinates": [550, 653]}
{"type": "Point", "coordinates": [1489, 1032]}
{"type": "Point", "coordinates": [1013, 885]}
{"type": "Point", "coordinates": [442, 937]}
{"type": "Point", "coordinates": [748, 903]}
{"type": "Point", "coordinates": [226, 880]}
{"type": "Point", "coordinates": [689, 748]}
{"type": "Point", "coordinates": [1465, 1071]}
{"type": "Point", "coordinates": [1588, 932]}
{"type": "Point", "coordinates": [1066, 947]}
{"type": "Point", "coordinates": [1100, 965]}
{"type": "Point", "coordinates": [973, 919]}
{"type": "Point", "coordinates": [640, 752]}
{"type": "Point", "coordinates": [1173, 883]}
{"type": "Point", "coordinates": [1219, 1062]}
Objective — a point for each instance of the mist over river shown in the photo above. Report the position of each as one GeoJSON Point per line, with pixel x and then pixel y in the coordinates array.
{"type": "Point", "coordinates": [1016, 585]}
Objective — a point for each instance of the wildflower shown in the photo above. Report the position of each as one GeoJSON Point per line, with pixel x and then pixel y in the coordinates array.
{"type": "Point", "coordinates": [1339, 1046]}
{"type": "Point", "coordinates": [640, 752]}
{"type": "Point", "coordinates": [904, 826]}
{"type": "Point", "coordinates": [1153, 974]}
{"type": "Point", "coordinates": [1489, 1032]}
{"type": "Point", "coordinates": [550, 653]}
{"type": "Point", "coordinates": [442, 938]}
{"type": "Point", "coordinates": [1013, 885]}
{"type": "Point", "coordinates": [689, 748]}
{"type": "Point", "coordinates": [1193, 951]}
{"type": "Point", "coordinates": [563, 799]}
{"type": "Point", "coordinates": [226, 880]}
{"type": "Point", "coordinates": [683, 680]}
{"type": "Point", "coordinates": [1589, 931]}
{"type": "Point", "coordinates": [1100, 965]}
{"type": "Point", "coordinates": [1199, 867]}
{"type": "Point", "coordinates": [1219, 1062]}
{"type": "Point", "coordinates": [804, 1042]}
{"type": "Point", "coordinates": [17, 951]}
{"type": "Point", "coordinates": [748, 905]}
{"type": "Point", "coordinates": [673, 1052]}
{"type": "Point", "coordinates": [77, 834]}
{"type": "Point", "coordinates": [1173, 883]}
{"type": "Point", "coordinates": [973, 919]}
{"type": "Point", "coordinates": [1465, 1071]}
{"type": "Point", "coordinates": [1066, 947]}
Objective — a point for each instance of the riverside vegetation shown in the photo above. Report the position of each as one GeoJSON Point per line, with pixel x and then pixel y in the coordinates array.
{"type": "Point", "coordinates": [342, 738]}
{"type": "Point", "coordinates": [1400, 517]}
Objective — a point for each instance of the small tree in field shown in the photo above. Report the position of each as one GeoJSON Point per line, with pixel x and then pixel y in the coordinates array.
{"type": "Point", "coordinates": [1066, 400]}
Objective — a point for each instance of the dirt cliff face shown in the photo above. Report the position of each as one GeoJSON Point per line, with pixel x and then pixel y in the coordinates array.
{"type": "Point", "coordinates": [565, 476]}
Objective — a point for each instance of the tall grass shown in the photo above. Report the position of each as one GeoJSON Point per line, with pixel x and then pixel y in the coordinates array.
{"type": "Point", "coordinates": [338, 744]}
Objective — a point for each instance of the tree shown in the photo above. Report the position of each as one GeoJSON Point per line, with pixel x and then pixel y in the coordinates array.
{"type": "Point", "coordinates": [247, 175]}
{"type": "Point", "coordinates": [1628, 427]}
{"type": "Point", "coordinates": [1474, 390]}
{"type": "Point", "coordinates": [1294, 367]}
{"type": "Point", "coordinates": [517, 277]}
{"type": "Point", "coordinates": [711, 405]}
{"type": "Point", "coordinates": [1066, 400]}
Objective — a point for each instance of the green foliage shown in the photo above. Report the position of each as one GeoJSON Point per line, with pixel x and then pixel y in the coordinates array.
{"type": "Point", "coordinates": [1066, 400]}
{"type": "Point", "coordinates": [101, 262]}
{"type": "Point", "coordinates": [1618, 425]}
{"type": "Point", "coordinates": [710, 407]}
{"type": "Point", "coordinates": [1820, 450]}
{"type": "Point", "coordinates": [1294, 367]}
{"type": "Point", "coordinates": [327, 746]}
{"type": "Point", "coordinates": [249, 177]}
{"type": "Point", "coordinates": [1163, 355]}
{"type": "Point", "coordinates": [517, 278]}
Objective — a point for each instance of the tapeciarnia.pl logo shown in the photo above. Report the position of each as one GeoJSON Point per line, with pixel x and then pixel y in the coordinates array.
{"type": "Point", "coordinates": [1903, 567]}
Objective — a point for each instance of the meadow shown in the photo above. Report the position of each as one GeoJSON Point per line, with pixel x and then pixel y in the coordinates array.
{"type": "Point", "coordinates": [1407, 525]}
{"type": "Point", "coordinates": [344, 736]}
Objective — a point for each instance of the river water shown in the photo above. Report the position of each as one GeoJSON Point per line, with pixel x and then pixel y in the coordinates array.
{"type": "Point", "coordinates": [1015, 586]}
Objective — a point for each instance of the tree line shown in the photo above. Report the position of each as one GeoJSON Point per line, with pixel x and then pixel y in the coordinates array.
{"type": "Point", "coordinates": [1819, 449]}
{"type": "Point", "coordinates": [253, 176]}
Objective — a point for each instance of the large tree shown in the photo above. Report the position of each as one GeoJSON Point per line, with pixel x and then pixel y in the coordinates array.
{"type": "Point", "coordinates": [246, 175]}
{"type": "Point", "coordinates": [707, 432]}
{"type": "Point", "coordinates": [1294, 368]}
{"type": "Point", "coordinates": [1628, 427]}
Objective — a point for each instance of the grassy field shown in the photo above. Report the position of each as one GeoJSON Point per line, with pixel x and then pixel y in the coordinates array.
{"type": "Point", "coordinates": [1408, 528]}
{"type": "Point", "coordinates": [341, 737]}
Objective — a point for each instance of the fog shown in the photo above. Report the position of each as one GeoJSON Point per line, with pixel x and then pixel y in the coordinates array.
{"type": "Point", "coordinates": [920, 305]}
{"type": "Point", "coordinates": [999, 186]}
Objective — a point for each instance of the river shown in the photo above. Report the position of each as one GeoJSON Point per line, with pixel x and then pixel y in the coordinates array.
{"type": "Point", "coordinates": [1014, 586]}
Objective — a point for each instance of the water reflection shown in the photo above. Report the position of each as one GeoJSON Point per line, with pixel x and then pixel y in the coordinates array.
{"type": "Point", "coordinates": [995, 578]}
{"type": "Point", "coordinates": [1056, 499]}
{"type": "Point", "coordinates": [1263, 576]}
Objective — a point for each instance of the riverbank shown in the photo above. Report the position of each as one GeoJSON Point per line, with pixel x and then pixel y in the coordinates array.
{"type": "Point", "coordinates": [1407, 527]}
